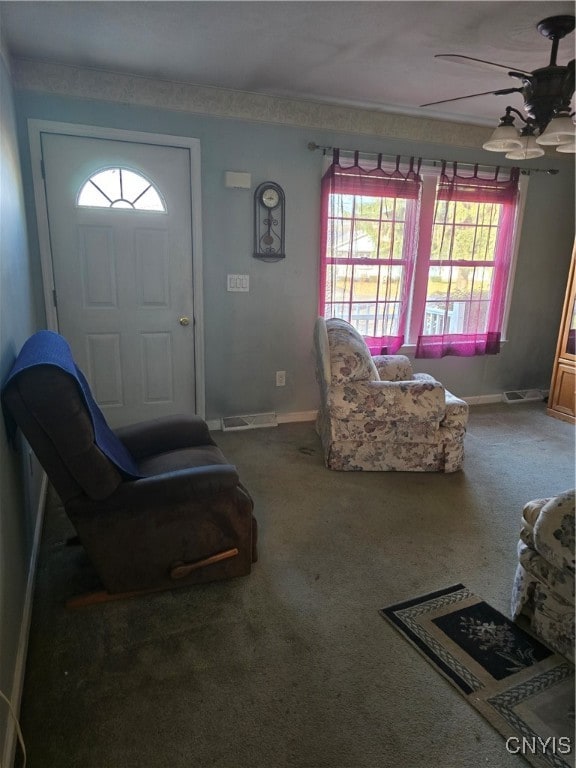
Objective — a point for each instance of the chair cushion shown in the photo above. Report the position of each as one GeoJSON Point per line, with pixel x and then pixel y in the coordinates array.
{"type": "Point", "coordinates": [197, 456]}
{"type": "Point", "coordinates": [350, 358]}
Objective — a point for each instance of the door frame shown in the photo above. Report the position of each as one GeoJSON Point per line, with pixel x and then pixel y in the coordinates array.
{"type": "Point", "coordinates": [35, 130]}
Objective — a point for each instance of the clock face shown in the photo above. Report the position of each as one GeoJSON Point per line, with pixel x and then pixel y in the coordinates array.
{"type": "Point", "coordinates": [270, 197]}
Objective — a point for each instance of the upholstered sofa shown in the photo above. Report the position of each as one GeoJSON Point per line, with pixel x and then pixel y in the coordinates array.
{"type": "Point", "coordinates": [544, 584]}
{"type": "Point", "coordinates": [376, 414]}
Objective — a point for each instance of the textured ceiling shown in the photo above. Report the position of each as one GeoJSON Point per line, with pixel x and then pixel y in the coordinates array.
{"type": "Point", "coordinates": [378, 55]}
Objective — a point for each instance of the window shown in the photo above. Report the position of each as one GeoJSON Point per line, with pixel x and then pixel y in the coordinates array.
{"type": "Point", "coordinates": [418, 260]}
{"type": "Point", "coordinates": [368, 243]}
{"type": "Point", "coordinates": [120, 188]}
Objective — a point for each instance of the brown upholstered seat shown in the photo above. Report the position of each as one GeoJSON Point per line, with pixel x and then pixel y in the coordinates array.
{"type": "Point", "coordinates": [186, 519]}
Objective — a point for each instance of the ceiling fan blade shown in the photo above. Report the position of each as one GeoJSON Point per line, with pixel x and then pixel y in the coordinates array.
{"type": "Point", "coordinates": [458, 58]}
{"type": "Point", "coordinates": [501, 92]}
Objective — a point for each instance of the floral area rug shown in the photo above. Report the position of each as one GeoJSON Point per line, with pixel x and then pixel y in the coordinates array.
{"type": "Point", "coordinates": [522, 688]}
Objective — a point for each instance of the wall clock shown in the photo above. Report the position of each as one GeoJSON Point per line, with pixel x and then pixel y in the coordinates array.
{"type": "Point", "coordinates": [269, 209]}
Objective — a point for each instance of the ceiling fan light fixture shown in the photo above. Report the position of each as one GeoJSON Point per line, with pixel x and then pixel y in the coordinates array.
{"type": "Point", "coordinates": [567, 148]}
{"type": "Point", "coordinates": [504, 139]}
{"type": "Point", "coordinates": [528, 151]}
{"type": "Point", "coordinates": [560, 130]}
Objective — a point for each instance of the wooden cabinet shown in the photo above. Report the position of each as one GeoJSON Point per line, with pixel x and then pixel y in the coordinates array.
{"type": "Point", "coordinates": [562, 398]}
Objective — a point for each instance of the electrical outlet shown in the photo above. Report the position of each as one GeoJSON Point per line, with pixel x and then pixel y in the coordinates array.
{"type": "Point", "coordinates": [280, 378]}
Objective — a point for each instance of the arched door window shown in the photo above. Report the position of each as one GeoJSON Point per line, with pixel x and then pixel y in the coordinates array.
{"type": "Point", "coordinates": [120, 188]}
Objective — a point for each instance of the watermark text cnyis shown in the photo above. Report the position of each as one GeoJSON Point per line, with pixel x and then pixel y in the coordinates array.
{"type": "Point", "coordinates": [535, 745]}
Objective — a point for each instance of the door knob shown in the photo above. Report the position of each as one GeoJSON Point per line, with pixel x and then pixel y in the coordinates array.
{"type": "Point", "coordinates": [184, 321]}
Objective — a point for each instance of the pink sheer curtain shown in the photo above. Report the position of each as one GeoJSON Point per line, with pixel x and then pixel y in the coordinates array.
{"type": "Point", "coordinates": [480, 307]}
{"type": "Point", "coordinates": [368, 247]}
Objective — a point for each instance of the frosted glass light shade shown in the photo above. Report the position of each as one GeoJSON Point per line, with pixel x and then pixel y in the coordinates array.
{"type": "Point", "coordinates": [528, 150]}
{"type": "Point", "coordinates": [504, 139]}
{"type": "Point", "coordinates": [560, 130]}
{"type": "Point", "coordinates": [567, 148]}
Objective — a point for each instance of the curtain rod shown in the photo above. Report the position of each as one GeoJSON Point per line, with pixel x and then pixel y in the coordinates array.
{"type": "Point", "coordinates": [312, 146]}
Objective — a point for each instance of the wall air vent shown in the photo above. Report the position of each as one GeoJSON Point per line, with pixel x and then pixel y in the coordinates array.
{"type": "Point", "coordinates": [252, 421]}
{"type": "Point", "coordinates": [522, 395]}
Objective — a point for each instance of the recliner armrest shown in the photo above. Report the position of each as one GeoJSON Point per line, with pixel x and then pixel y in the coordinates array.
{"type": "Point", "coordinates": [166, 491]}
{"type": "Point", "coordinates": [171, 433]}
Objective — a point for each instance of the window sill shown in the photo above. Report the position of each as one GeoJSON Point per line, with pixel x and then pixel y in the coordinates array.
{"type": "Point", "coordinates": [410, 349]}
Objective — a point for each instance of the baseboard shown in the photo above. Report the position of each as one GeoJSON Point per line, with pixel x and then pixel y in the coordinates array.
{"type": "Point", "coordinates": [20, 666]}
{"type": "Point", "coordinates": [287, 418]}
{"type": "Point", "coordinates": [483, 399]}
{"type": "Point", "coordinates": [215, 425]}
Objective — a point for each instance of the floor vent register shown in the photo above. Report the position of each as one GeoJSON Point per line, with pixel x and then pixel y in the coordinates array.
{"type": "Point", "coordinates": [251, 421]}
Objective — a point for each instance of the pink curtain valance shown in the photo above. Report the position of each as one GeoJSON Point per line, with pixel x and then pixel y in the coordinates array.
{"type": "Point", "coordinates": [374, 182]}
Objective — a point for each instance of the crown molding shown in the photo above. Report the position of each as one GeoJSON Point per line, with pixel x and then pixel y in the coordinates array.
{"type": "Point", "coordinates": [95, 84]}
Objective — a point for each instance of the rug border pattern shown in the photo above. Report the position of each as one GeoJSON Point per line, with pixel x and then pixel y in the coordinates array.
{"type": "Point", "coordinates": [497, 706]}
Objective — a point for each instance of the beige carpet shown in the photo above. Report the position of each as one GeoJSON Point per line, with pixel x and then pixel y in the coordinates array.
{"type": "Point", "coordinates": [293, 667]}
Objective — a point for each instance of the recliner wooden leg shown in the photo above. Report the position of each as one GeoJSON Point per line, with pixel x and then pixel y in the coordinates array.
{"type": "Point", "coordinates": [180, 570]}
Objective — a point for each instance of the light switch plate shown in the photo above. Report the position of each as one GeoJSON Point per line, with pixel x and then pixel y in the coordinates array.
{"type": "Point", "coordinates": [238, 283]}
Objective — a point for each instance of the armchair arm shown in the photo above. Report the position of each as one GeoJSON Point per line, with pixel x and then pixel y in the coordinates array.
{"type": "Point", "coordinates": [457, 410]}
{"type": "Point", "coordinates": [553, 531]}
{"type": "Point", "coordinates": [388, 400]}
{"type": "Point", "coordinates": [393, 367]}
{"type": "Point", "coordinates": [171, 433]}
{"type": "Point", "coordinates": [164, 491]}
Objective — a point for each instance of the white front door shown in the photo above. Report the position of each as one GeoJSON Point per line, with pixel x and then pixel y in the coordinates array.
{"type": "Point", "coordinates": [119, 218]}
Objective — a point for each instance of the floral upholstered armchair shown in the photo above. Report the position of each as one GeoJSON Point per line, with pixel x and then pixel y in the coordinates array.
{"type": "Point", "coordinates": [376, 414]}
{"type": "Point", "coordinates": [544, 583]}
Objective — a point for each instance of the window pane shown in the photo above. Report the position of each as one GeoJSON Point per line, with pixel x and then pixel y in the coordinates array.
{"type": "Point", "coordinates": [388, 319]}
{"type": "Point", "coordinates": [339, 283]}
{"type": "Point", "coordinates": [458, 299]}
{"type": "Point", "coordinates": [120, 188]}
{"type": "Point", "coordinates": [133, 184]}
{"type": "Point", "coordinates": [149, 201]}
{"type": "Point", "coordinates": [397, 241]}
{"type": "Point", "coordinates": [464, 231]}
{"type": "Point", "coordinates": [363, 228]}
{"type": "Point", "coordinates": [391, 283]}
{"type": "Point", "coordinates": [109, 182]}
{"type": "Point", "coordinates": [366, 283]}
{"type": "Point", "coordinates": [92, 196]}
{"type": "Point", "coordinates": [363, 317]}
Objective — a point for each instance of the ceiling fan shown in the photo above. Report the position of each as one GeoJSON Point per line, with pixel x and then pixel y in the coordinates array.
{"type": "Point", "coordinates": [547, 93]}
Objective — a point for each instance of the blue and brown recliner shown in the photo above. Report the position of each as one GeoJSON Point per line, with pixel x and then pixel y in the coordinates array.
{"type": "Point", "coordinates": [156, 505]}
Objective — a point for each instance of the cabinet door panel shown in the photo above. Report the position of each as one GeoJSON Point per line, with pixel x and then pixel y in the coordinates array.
{"type": "Point", "coordinates": [564, 393]}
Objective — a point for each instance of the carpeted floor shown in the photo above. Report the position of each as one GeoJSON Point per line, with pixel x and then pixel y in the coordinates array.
{"type": "Point", "coordinates": [292, 666]}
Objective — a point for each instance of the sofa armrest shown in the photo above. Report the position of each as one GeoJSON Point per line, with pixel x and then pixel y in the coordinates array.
{"type": "Point", "coordinates": [171, 433]}
{"type": "Point", "coordinates": [393, 367]}
{"type": "Point", "coordinates": [388, 401]}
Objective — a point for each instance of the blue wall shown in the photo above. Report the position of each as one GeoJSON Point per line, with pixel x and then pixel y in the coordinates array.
{"type": "Point", "coordinates": [18, 499]}
{"type": "Point", "coordinates": [248, 336]}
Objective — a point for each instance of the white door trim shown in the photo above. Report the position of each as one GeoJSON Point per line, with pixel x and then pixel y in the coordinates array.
{"type": "Point", "coordinates": [35, 129]}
